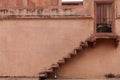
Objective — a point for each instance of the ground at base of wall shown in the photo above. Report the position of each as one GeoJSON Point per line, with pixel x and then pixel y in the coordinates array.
{"type": "Point", "coordinates": [51, 79]}
{"type": "Point", "coordinates": [84, 79]}
{"type": "Point", "coordinates": [19, 78]}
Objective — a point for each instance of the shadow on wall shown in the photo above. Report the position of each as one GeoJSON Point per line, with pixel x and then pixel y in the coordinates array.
{"type": "Point", "coordinates": [110, 75]}
{"type": "Point", "coordinates": [97, 62]}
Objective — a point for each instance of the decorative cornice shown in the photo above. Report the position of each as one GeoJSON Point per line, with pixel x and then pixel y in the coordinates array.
{"type": "Point", "coordinates": [42, 13]}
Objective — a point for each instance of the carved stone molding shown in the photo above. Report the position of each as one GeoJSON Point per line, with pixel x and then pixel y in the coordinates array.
{"type": "Point", "coordinates": [110, 36]}
{"type": "Point", "coordinates": [42, 13]}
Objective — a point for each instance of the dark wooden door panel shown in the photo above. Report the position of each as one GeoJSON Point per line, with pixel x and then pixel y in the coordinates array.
{"type": "Point", "coordinates": [104, 17]}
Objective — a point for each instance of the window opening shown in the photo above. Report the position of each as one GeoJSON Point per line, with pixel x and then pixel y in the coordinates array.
{"type": "Point", "coordinates": [104, 18]}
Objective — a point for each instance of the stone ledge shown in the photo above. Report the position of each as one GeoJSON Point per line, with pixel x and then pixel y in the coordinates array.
{"type": "Point", "coordinates": [43, 13]}
{"type": "Point", "coordinates": [45, 17]}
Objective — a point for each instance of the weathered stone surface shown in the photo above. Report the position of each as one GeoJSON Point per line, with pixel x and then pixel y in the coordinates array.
{"type": "Point", "coordinates": [27, 3]}
{"type": "Point", "coordinates": [19, 78]}
{"type": "Point", "coordinates": [42, 13]}
{"type": "Point", "coordinates": [82, 79]}
{"type": "Point", "coordinates": [29, 45]}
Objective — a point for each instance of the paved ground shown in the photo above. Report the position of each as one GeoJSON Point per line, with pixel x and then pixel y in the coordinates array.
{"type": "Point", "coordinates": [19, 78]}
{"type": "Point", "coordinates": [83, 79]}
{"type": "Point", "coordinates": [50, 79]}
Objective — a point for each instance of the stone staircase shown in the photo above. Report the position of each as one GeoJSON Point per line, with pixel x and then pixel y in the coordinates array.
{"type": "Point", "coordinates": [76, 51]}
{"type": "Point", "coordinates": [46, 74]}
{"type": "Point", "coordinates": [91, 41]}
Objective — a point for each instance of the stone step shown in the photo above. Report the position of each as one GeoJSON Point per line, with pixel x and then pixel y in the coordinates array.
{"type": "Point", "coordinates": [61, 61]}
{"type": "Point", "coordinates": [54, 65]}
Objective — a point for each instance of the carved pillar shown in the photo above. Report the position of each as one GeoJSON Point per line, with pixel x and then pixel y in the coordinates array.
{"type": "Point", "coordinates": [47, 3]}
{"type": "Point", "coordinates": [55, 2]}
{"type": "Point", "coordinates": [39, 3]}
{"type": "Point", "coordinates": [19, 3]}
{"type": "Point", "coordinates": [25, 3]}
{"type": "Point", "coordinates": [59, 2]}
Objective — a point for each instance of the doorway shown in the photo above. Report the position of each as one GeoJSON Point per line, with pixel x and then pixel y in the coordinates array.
{"type": "Point", "coordinates": [104, 16]}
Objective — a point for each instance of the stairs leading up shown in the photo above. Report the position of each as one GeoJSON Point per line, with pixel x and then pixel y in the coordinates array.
{"type": "Point", "coordinates": [76, 51]}
{"type": "Point", "coordinates": [91, 41]}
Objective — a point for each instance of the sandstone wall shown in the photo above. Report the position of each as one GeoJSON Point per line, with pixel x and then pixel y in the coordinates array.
{"type": "Point", "coordinates": [28, 47]}
{"type": "Point", "coordinates": [91, 63]}
{"type": "Point", "coordinates": [28, 3]}
{"type": "Point", "coordinates": [117, 17]}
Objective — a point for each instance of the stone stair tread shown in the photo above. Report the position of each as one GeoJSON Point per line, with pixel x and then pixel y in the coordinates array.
{"type": "Point", "coordinates": [61, 61]}
{"type": "Point", "coordinates": [73, 53]}
{"type": "Point", "coordinates": [49, 70]}
{"type": "Point", "coordinates": [67, 57]}
{"type": "Point", "coordinates": [43, 75]}
{"type": "Point", "coordinates": [55, 65]}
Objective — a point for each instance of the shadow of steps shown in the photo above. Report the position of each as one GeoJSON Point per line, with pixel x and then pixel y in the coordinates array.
{"type": "Point", "coordinates": [84, 79]}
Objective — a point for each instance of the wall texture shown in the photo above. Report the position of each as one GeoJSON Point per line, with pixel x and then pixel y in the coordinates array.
{"type": "Point", "coordinates": [30, 46]}
{"type": "Point", "coordinates": [27, 3]}
{"type": "Point", "coordinates": [93, 62]}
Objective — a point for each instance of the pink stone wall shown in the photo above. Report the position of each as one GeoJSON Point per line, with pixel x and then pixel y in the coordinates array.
{"type": "Point", "coordinates": [30, 46]}
{"type": "Point", "coordinates": [89, 7]}
{"type": "Point", "coordinates": [117, 17]}
{"type": "Point", "coordinates": [93, 62]}
{"type": "Point", "coordinates": [10, 3]}
{"type": "Point", "coordinates": [27, 3]}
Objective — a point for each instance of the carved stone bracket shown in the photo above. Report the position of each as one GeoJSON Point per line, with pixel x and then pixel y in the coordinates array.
{"type": "Point", "coordinates": [111, 36]}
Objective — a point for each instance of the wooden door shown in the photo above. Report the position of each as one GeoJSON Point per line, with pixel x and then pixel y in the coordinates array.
{"type": "Point", "coordinates": [104, 17]}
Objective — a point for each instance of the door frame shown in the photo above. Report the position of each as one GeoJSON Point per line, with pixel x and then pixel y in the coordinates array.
{"type": "Point", "coordinates": [113, 14]}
